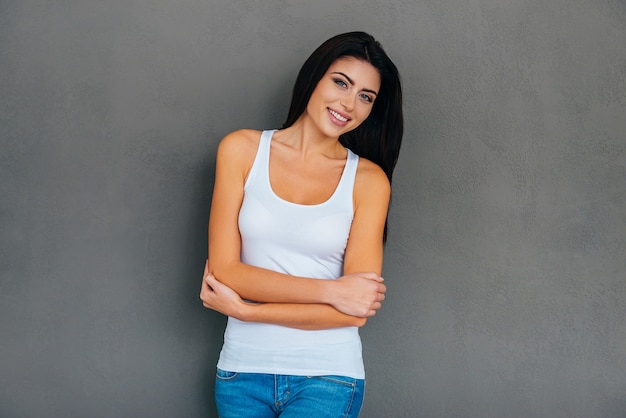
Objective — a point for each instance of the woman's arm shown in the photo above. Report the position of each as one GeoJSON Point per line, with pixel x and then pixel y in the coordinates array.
{"type": "Point", "coordinates": [372, 191]}
{"type": "Point", "coordinates": [307, 316]}
{"type": "Point", "coordinates": [359, 293]}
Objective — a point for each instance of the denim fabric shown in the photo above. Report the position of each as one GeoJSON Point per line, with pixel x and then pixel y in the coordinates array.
{"type": "Point", "coordinates": [257, 395]}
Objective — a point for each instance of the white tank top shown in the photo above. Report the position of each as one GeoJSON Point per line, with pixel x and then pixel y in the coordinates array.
{"type": "Point", "coordinates": [300, 240]}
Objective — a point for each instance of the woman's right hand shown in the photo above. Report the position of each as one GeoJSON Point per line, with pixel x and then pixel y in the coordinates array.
{"type": "Point", "coordinates": [358, 294]}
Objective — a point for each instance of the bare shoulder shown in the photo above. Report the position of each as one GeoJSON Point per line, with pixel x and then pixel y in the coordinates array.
{"type": "Point", "coordinates": [240, 143]}
{"type": "Point", "coordinates": [371, 181]}
{"type": "Point", "coordinates": [236, 153]}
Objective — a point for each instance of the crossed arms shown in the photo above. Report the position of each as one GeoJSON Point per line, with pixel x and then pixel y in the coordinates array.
{"type": "Point", "coordinates": [297, 302]}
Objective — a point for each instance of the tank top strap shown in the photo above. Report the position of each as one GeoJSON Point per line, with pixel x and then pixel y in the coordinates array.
{"type": "Point", "coordinates": [345, 188]}
{"type": "Point", "coordinates": [260, 166]}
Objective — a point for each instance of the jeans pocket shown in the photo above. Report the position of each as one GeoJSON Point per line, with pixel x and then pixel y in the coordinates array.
{"type": "Point", "coordinates": [341, 380]}
{"type": "Point", "coordinates": [337, 394]}
{"type": "Point", "coordinates": [225, 375]}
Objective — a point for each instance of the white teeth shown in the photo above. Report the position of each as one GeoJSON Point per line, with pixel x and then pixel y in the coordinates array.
{"type": "Point", "coordinates": [337, 115]}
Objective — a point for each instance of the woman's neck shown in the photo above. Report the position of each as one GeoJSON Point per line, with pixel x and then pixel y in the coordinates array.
{"type": "Point", "coordinates": [308, 139]}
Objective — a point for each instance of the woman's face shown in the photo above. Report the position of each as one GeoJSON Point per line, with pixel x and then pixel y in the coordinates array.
{"type": "Point", "coordinates": [344, 96]}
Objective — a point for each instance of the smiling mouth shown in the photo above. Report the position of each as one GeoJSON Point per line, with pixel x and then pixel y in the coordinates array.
{"type": "Point", "coordinates": [338, 116]}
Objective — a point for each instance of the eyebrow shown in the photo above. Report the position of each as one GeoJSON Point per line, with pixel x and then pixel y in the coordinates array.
{"type": "Point", "coordinates": [352, 82]}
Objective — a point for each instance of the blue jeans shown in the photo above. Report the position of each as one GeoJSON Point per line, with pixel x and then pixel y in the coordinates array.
{"type": "Point", "coordinates": [257, 395]}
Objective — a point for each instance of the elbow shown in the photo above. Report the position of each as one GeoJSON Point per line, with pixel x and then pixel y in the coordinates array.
{"type": "Point", "coordinates": [230, 274]}
{"type": "Point", "coordinates": [359, 322]}
{"type": "Point", "coordinates": [220, 271]}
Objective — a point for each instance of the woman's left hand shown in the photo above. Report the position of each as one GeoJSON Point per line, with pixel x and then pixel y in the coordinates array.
{"type": "Point", "coordinates": [219, 297]}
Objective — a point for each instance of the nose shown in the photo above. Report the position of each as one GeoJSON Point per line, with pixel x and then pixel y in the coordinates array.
{"type": "Point", "coordinates": [348, 101]}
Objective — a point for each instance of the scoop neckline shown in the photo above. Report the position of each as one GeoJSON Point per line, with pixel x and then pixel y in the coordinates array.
{"type": "Point", "coordinates": [271, 188]}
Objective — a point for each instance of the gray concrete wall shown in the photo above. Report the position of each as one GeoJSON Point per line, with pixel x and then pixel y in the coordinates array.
{"type": "Point", "coordinates": [506, 261]}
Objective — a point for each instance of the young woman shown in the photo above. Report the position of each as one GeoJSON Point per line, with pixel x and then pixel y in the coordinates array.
{"type": "Point", "coordinates": [296, 233]}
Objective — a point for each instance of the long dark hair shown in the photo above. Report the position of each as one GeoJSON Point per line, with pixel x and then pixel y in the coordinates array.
{"type": "Point", "coordinates": [379, 137]}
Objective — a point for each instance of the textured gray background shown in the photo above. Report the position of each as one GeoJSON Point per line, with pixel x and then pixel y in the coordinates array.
{"type": "Point", "coordinates": [507, 254]}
